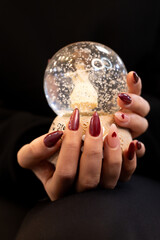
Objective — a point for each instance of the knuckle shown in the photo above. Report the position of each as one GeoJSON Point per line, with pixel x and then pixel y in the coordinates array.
{"type": "Point", "coordinates": [34, 150]}
{"type": "Point", "coordinates": [67, 174]}
{"type": "Point", "coordinates": [94, 150]}
{"type": "Point", "coordinates": [90, 182]}
{"type": "Point", "coordinates": [96, 153]}
{"type": "Point", "coordinates": [71, 145]}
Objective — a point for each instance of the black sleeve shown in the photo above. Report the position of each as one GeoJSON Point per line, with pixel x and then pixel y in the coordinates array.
{"type": "Point", "coordinates": [17, 129]}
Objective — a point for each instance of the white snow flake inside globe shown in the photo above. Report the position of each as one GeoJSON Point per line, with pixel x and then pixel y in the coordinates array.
{"type": "Point", "coordinates": [87, 76]}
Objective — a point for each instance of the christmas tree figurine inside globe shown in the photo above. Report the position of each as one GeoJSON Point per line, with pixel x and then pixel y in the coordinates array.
{"type": "Point", "coordinates": [88, 76]}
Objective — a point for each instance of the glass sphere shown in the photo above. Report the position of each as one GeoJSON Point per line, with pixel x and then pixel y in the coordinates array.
{"type": "Point", "coordinates": [86, 75]}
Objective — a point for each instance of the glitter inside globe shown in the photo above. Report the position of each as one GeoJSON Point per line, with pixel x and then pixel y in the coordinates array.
{"type": "Point", "coordinates": [84, 75]}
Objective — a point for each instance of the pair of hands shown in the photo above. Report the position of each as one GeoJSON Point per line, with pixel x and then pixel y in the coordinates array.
{"type": "Point", "coordinates": [89, 169]}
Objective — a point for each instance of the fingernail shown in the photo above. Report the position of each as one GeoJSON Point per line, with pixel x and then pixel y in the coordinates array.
{"type": "Point", "coordinates": [74, 120]}
{"type": "Point", "coordinates": [135, 77]}
{"type": "Point", "coordinates": [95, 126]}
{"type": "Point", "coordinates": [112, 136]}
{"type": "Point", "coordinates": [138, 145]}
{"type": "Point", "coordinates": [122, 117]}
{"type": "Point", "coordinates": [52, 138]}
{"type": "Point", "coordinates": [125, 98]}
{"type": "Point", "coordinates": [131, 151]}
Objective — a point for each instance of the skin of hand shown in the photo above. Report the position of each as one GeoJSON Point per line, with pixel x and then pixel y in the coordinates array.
{"type": "Point", "coordinates": [89, 169]}
{"type": "Point", "coordinates": [134, 108]}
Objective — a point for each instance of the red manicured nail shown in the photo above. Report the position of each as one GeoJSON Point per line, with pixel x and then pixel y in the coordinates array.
{"type": "Point", "coordinates": [131, 151]}
{"type": "Point", "coordinates": [122, 115]}
{"type": "Point", "coordinates": [112, 137]}
{"type": "Point", "coordinates": [74, 120]}
{"type": "Point", "coordinates": [138, 145]}
{"type": "Point", "coordinates": [135, 77]}
{"type": "Point", "coordinates": [114, 134]}
{"type": "Point", "coordinates": [52, 138]}
{"type": "Point", "coordinates": [125, 98]}
{"type": "Point", "coordinates": [95, 126]}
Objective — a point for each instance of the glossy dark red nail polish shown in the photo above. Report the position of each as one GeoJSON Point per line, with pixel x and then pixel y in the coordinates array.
{"type": "Point", "coordinates": [114, 134]}
{"type": "Point", "coordinates": [125, 98]}
{"type": "Point", "coordinates": [131, 151]}
{"type": "Point", "coordinates": [138, 145]}
{"type": "Point", "coordinates": [74, 120]}
{"type": "Point", "coordinates": [135, 77]}
{"type": "Point", "coordinates": [52, 138]}
{"type": "Point", "coordinates": [95, 125]}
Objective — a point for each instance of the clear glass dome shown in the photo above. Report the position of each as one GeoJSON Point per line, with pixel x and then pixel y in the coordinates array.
{"type": "Point", "coordinates": [86, 75]}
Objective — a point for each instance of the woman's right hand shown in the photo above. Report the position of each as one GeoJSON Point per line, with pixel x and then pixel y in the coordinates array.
{"type": "Point", "coordinates": [83, 171]}
{"type": "Point", "coordinates": [133, 107]}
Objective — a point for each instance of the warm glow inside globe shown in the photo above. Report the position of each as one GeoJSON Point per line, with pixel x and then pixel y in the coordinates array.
{"type": "Point", "coordinates": [86, 75]}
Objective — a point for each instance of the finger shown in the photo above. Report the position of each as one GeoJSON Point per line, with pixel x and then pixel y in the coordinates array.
{"type": "Point", "coordinates": [132, 121]}
{"type": "Point", "coordinates": [67, 163]}
{"type": "Point", "coordinates": [134, 103]}
{"type": "Point", "coordinates": [129, 163]}
{"type": "Point", "coordinates": [140, 148]}
{"type": "Point", "coordinates": [112, 161]}
{"type": "Point", "coordinates": [91, 159]}
{"type": "Point", "coordinates": [134, 83]}
{"type": "Point", "coordinates": [39, 149]}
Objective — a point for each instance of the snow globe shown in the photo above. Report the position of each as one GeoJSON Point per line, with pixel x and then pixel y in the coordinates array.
{"type": "Point", "coordinates": [88, 76]}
